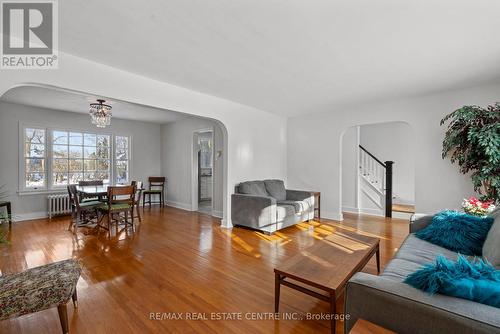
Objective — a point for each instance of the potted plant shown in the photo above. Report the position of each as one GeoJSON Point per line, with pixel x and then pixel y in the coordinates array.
{"type": "Point", "coordinates": [472, 140]}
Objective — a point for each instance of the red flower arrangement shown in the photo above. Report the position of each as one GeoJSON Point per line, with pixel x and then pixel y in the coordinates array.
{"type": "Point", "coordinates": [475, 207]}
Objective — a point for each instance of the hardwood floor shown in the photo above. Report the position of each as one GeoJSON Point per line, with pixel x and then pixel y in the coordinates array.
{"type": "Point", "coordinates": [180, 262]}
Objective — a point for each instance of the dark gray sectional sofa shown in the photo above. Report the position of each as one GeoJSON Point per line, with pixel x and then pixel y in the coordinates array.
{"type": "Point", "coordinates": [387, 301]}
{"type": "Point", "coordinates": [268, 207]}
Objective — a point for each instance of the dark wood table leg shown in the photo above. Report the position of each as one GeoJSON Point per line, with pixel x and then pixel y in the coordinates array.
{"type": "Point", "coordinates": [319, 207]}
{"type": "Point", "coordinates": [333, 312]}
{"type": "Point", "coordinates": [63, 317]}
{"type": "Point", "coordinates": [377, 255]}
{"type": "Point", "coordinates": [9, 213]}
{"type": "Point", "coordinates": [138, 208]}
{"type": "Point", "coordinates": [74, 297]}
{"type": "Point", "coordinates": [277, 286]}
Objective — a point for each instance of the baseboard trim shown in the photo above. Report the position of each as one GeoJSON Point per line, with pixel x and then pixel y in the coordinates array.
{"type": "Point", "coordinates": [188, 207]}
{"type": "Point", "coordinates": [372, 212]}
{"type": "Point", "coordinates": [179, 205]}
{"type": "Point", "coordinates": [217, 214]}
{"type": "Point", "coordinates": [226, 223]}
{"type": "Point", "coordinates": [332, 215]}
{"type": "Point", "coordinates": [19, 217]}
{"type": "Point", "coordinates": [350, 209]}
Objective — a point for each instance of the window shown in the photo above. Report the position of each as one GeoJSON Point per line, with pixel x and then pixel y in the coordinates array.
{"type": "Point", "coordinates": [53, 158]}
{"type": "Point", "coordinates": [79, 156]}
{"type": "Point", "coordinates": [122, 156]}
{"type": "Point", "coordinates": [35, 163]}
{"type": "Point", "coordinates": [205, 152]}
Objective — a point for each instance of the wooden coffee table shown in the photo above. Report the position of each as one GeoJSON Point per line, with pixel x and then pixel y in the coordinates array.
{"type": "Point", "coordinates": [326, 266]}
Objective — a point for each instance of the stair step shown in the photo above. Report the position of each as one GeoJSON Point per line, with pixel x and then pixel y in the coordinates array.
{"type": "Point", "coordinates": [403, 208]}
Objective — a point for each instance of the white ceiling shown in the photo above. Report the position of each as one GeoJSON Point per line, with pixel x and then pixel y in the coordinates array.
{"type": "Point", "coordinates": [75, 102]}
{"type": "Point", "coordinates": [292, 56]}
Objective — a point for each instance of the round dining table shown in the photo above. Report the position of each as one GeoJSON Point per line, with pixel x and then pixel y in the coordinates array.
{"type": "Point", "coordinates": [99, 191]}
{"type": "Point", "coordinates": [93, 191]}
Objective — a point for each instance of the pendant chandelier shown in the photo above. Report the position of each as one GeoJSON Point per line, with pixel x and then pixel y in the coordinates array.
{"type": "Point", "coordinates": [100, 114]}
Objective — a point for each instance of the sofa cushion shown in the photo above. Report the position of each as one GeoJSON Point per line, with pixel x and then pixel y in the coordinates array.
{"type": "Point", "coordinates": [491, 246]}
{"type": "Point", "coordinates": [398, 269]}
{"type": "Point", "coordinates": [412, 254]}
{"type": "Point", "coordinates": [253, 188]}
{"type": "Point", "coordinates": [276, 188]}
{"type": "Point", "coordinates": [299, 206]}
{"type": "Point", "coordinates": [421, 252]}
{"type": "Point", "coordinates": [457, 231]}
{"type": "Point", "coordinates": [284, 211]}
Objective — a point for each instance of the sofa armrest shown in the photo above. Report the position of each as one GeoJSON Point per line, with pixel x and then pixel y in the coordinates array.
{"type": "Point", "coordinates": [404, 309]}
{"type": "Point", "coordinates": [419, 221]}
{"type": "Point", "coordinates": [252, 210]}
{"type": "Point", "coordinates": [298, 195]}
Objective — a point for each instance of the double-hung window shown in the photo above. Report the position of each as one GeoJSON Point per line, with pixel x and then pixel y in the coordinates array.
{"type": "Point", "coordinates": [53, 158]}
{"type": "Point", "coordinates": [34, 158]}
{"type": "Point", "coordinates": [122, 159]}
{"type": "Point", "coordinates": [78, 156]}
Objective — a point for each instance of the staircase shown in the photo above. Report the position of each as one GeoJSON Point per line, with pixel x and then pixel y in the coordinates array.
{"type": "Point", "coordinates": [375, 179]}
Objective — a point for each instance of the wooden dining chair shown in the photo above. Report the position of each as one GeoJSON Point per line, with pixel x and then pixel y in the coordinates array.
{"type": "Point", "coordinates": [156, 187]}
{"type": "Point", "coordinates": [138, 194]}
{"type": "Point", "coordinates": [90, 183]}
{"type": "Point", "coordinates": [120, 200]}
{"type": "Point", "coordinates": [81, 212]}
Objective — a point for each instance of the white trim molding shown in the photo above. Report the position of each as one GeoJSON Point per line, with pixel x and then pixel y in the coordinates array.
{"type": "Point", "coordinates": [226, 223]}
{"type": "Point", "coordinates": [179, 205]}
{"type": "Point", "coordinates": [332, 215]}
{"type": "Point", "coordinates": [217, 214]}
{"type": "Point", "coordinates": [373, 212]}
{"type": "Point", "coordinates": [29, 216]}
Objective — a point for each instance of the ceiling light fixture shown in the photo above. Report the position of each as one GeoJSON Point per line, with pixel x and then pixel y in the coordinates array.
{"type": "Point", "coordinates": [100, 114]}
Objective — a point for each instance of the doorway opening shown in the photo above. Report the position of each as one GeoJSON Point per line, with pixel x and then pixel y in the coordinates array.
{"type": "Point", "coordinates": [205, 168]}
{"type": "Point", "coordinates": [378, 170]}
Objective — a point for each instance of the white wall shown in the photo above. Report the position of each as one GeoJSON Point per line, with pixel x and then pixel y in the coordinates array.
{"type": "Point", "coordinates": [350, 144]}
{"type": "Point", "coordinates": [177, 161]}
{"type": "Point", "coordinates": [145, 150]}
{"type": "Point", "coordinates": [256, 140]}
{"type": "Point", "coordinates": [394, 141]}
{"type": "Point", "coordinates": [438, 183]}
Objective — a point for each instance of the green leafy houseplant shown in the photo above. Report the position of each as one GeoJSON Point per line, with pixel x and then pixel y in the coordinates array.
{"type": "Point", "coordinates": [472, 140]}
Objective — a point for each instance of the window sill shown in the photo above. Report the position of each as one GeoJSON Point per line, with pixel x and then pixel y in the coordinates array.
{"type": "Point", "coordinates": [40, 192]}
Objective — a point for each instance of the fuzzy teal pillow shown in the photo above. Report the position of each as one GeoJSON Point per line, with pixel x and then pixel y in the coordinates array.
{"type": "Point", "coordinates": [457, 231]}
{"type": "Point", "coordinates": [478, 280]}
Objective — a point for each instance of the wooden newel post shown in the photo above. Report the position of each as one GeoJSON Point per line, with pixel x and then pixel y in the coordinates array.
{"type": "Point", "coordinates": [388, 188]}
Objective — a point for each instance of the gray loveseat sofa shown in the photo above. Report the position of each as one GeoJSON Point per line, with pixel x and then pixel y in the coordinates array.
{"type": "Point", "coordinates": [387, 301]}
{"type": "Point", "coordinates": [267, 206]}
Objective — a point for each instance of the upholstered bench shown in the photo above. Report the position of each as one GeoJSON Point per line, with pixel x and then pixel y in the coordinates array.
{"type": "Point", "coordinates": [40, 288]}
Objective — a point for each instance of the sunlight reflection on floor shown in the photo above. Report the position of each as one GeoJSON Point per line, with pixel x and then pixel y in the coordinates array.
{"type": "Point", "coordinates": [242, 244]}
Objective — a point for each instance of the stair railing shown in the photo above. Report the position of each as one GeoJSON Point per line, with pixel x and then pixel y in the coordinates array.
{"type": "Point", "coordinates": [379, 174]}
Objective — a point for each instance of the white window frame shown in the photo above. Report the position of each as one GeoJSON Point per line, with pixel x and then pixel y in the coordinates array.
{"type": "Point", "coordinates": [48, 187]}
{"type": "Point", "coordinates": [129, 154]}
{"type": "Point", "coordinates": [51, 162]}
{"type": "Point", "coordinates": [22, 158]}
